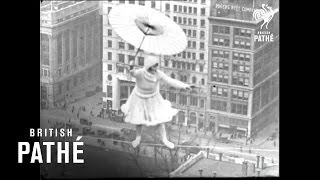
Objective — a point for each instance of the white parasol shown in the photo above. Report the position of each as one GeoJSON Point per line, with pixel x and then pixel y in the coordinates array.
{"type": "Point", "coordinates": [147, 29]}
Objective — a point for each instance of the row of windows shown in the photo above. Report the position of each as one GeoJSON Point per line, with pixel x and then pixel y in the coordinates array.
{"type": "Point", "coordinates": [240, 95]}
{"type": "Point", "coordinates": [189, 55]}
{"type": "Point", "coordinates": [219, 77]}
{"type": "Point", "coordinates": [233, 121]}
{"type": "Point", "coordinates": [186, 9]}
{"type": "Point", "coordinates": [184, 78]}
{"type": "Point", "coordinates": [241, 81]}
{"type": "Point", "coordinates": [242, 32]}
{"type": "Point", "coordinates": [121, 45]}
{"type": "Point", "coordinates": [221, 41]}
{"type": "Point", "coordinates": [184, 65]}
{"type": "Point", "coordinates": [76, 80]}
{"type": "Point", "coordinates": [236, 55]}
{"type": "Point", "coordinates": [218, 105]}
{"type": "Point", "coordinates": [121, 58]}
{"type": "Point", "coordinates": [240, 68]}
{"type": "Point", "coordinates": [241, 44]}
{"type": "Point", "coordinates": [220, 65]}
{"type": "Point", "coordinates": [220, 29]}
{"type": "Point", "coordinates": [241, 56]}
{"type": "Point", "coordinates": [44, 72]}
{"type": "Point", "coordinates": [188, 21]}
{"type": "Point", "coordinates": [183, 99]}
{"type": "Point", "coordinates": [219, 91]}
{"type": "Point", "coordinates": [220, 53]}
{"type": "Point", "coordinates": [239, 108]}
{"type": "Point", "coordinates": [193, 33]}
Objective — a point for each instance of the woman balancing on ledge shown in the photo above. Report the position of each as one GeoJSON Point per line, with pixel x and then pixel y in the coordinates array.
{"type": "Point", "coordinates": [145, 106]}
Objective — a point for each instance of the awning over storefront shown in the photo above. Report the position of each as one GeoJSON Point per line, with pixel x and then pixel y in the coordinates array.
{"type": "Point", "coordinates": [225, 126]}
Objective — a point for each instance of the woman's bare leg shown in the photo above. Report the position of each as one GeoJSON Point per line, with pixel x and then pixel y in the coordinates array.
{"type": "Point", "coordinates": [136, 142]}
{"type": "Point", "coordinates": [163, 133]}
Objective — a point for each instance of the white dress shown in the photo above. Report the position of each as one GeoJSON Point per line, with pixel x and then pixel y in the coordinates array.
{"type": "Point", "coordinates": [145, 105]}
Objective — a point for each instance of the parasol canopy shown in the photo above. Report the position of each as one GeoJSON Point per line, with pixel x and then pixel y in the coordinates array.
{"type": "Point", "coordinates": [147, 29]}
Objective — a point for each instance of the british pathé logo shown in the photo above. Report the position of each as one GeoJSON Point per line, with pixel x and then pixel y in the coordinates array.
{"type": "Point", "coordinates": [266, 14]}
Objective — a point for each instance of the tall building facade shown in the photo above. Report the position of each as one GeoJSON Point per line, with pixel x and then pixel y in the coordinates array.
{"type": "Point", "coordinates": [236, 75]}
{"type": "Point", "coordinates": [189, 66]}
{"type": "Point", "coordinates": [70, 48]}
{"type": "Point", "coordinates": [244, 67]}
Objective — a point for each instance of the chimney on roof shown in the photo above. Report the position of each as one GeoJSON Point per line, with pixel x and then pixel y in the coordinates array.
{"type": "Point", "coordinates": [244, 168]}
{"type": "Point", "coordinates": [262, 162]}
{"type": "Point", "coordinates": [258, 158]}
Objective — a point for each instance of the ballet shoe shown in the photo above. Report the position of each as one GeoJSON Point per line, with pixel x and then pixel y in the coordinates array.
{"type": "Point", "coordinates": [136, 142]}
{"type": "Point", "coordinates": [169, 144]}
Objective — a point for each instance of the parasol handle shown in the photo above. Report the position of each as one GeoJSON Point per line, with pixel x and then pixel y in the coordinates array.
{"type": "Point", "coordinates": [141, 43]}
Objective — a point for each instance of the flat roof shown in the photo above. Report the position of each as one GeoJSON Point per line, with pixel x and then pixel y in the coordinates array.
{"type": "Point", "coordinates": [222, 169]}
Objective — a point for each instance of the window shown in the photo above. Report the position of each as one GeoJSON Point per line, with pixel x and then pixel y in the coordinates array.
{"type": "Point", "coordinates": [194, 33]}
{"type": "Point", "coordinates": [201, 56]}
{"type": "Point", "coordinates": [185, 9]}
{"type": "Point", "coordinates": [184, 54]}
{"type": "Point", "coordinates": [130, 58]}
{"type": "Point", "coordinates": [109, 32]}
{"type": "Point", "coordinates": [141, 61]}
{"type": "Point", "coordinates": [110, 56]}
{"type": "Point", "coordinates": [109, 91]}
{"type": "Point", "coordinates": [179, 20]}
{"type": "Point", "coordinates": [130, 47]}
{"type": "Point", "coordinates": [175, 8]}
{"type": "Point", "coordinates": [203, 1]}
{"type": "Point", "coordinates": [202, 81]}
{"type": "Point", "coordinates": [121, 58]}
{"type": "Point", "coordinates": [121, 45]}
{"type": "Point", "coordinates": [218, 105]}
{"type": "Point", "coordinates": [194, 80]}
{"type": "Point", "coordinates": [175, 18]}
{"type": "Point", "coordinates": [142, 2]}
{"type": "Point", "coordinates": [153, 5]}
{"type": "Point", "coordinates": [202, 45]}
{"type": "Point", "coordinates": [203, 23]}
{"type": "Point", "coordinates": [120, 69]}
{"type": "Point", "coordinates": [109, 67]}
{"type": "Point", "coordinates": [131, 2]}
{"type": "Point", "coordinates": [201, 68]}
{"type": "Point", "coordinates": [185, 20]}
{"type": "Point", "coordinates": [188, 66]}
{"type": "Point", "coordinates": [195, 22]}
{"type": "Point", "coordinates": [109, 43]}
{"type": "Point", "coordinates": [194, 44]}
{"type": "Point", "coordinates": [203, 11]}
{"type": "Point", "coordinates": [193, 56]}
{"type": "Point", "coordinates": [166, 63]}
{"type": "Point", "coordinates": [173, 64]}
{"type": "Point", "coordinates": [193, 67]}
{"type": "Point", "coordinates": [190, 10]}
{"type": "Point", "coordinates": [167, 7]}
{"type": "Point", "coordinates": [194, 10]}
{"type": "Point", "coordinates": [188, 55]}
{"type": "Point", "coordinates": [202, 35]}
{"type": "Point", "coordinates": [180, 8]}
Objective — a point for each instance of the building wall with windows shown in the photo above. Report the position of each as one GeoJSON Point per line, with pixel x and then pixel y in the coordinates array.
{"type": "Point", "coordinates": [189, 66]}
{"type": "Point", "coordinates": [70, 49]}
{"type": "Point", "coordinates": [243, 73]}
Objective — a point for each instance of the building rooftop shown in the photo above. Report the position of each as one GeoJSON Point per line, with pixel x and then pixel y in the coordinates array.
{"type": "Point", "coordinates": [56, 5]}
{"type": "Point", "coordinates": [225, 168]}
{"type": "Point", "coordinates": [57, 12]}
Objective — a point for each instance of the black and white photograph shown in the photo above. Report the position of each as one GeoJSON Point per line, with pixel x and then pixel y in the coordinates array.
{"type": "Point", "coordinates": [152, 88]}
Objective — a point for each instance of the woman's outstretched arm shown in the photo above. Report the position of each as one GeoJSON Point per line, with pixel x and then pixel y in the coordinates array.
{"type": "Point", "coordinates": [172, 82]}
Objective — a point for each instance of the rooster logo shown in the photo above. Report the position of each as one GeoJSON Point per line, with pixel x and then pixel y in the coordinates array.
{"type": "Point", "coordinates": [266, 13]}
